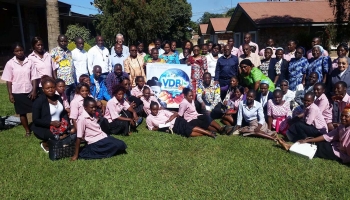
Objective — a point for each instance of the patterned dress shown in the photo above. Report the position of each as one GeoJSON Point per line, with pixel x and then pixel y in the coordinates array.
{"type": "Point", "coordinates": [295, 70]}
{"type": "Point", "coordinates": [264, 67]}
{"type": "Point", "coordinates": [64, 64]}
{"type": "Point", "coordinates": [319, 65]}
{"type": "Point", "coordinates": [279, 114]}
{"type": "Point", "coordinates": [209, 95]}
{"type": "Point", "coordinates": [198, 68]}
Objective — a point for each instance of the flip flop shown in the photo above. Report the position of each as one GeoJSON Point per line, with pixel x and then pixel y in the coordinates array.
{"type": "Point", "coordinates": [42, 146]}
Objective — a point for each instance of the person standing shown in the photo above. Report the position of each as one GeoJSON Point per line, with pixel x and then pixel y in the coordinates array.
{"type": "Point", "coordinates": [80, 58]}
{"type": "Point", "coordinates": [226, 67]}
{"type": "Point", "coordinates": [234, 50]}
{"type": "Point", "coordinates": [291, 50]}
{"type": "Point", "coordinates": [134, 65]}
{"type": "Point", "coordinates": [248, 41]}
{"type": "Point", "coordinates": [270, 43]}
{"type": "Point", "coordinates": [118, 57]}
{"type": "Point", "coordinates": [158, 44]}
{"type": "Point", "coordinates": [41, 59]}
{"type": "Point", "coordinates": [119, 39]}
{"type": "Point", "coordinates": [198, 65]}
{"type": "Point", "coordinates": [169, 56]}
{"type": "Point", "coordinates": [295, 69]}
{"type": "Point", "coordinates": [64, 69]}
{"type": "Point", "coordinates": [212, 59]}
{"type": "Point", "coordinates": [250, 56]}
{"type": "Point", "coordinates": [315, 41]}
{"type": "Point", "coordinates": [20, 76]}
{"type": "Point", "coordinates": [99, 55]}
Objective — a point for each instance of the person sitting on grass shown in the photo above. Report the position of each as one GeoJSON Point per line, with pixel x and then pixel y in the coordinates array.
{"type": "Point", "coordinates": [60, 88]}
{"type": "Point", "coordinates": [323, 104]}
{"type": "Point", "coordinates": [50, 119]}
{"type": "Point", "coordinates": [251, 118]}
{"type": "Point", "coordinates": [137, 93]}
{"type": "Point", "coordinates": [175, 123]}
{"type": "Point", "coordinates": [187, 110]}
{"type": "Point", "coordinates": [313, 124]}
{"type": "Point", "coordinates": [99, 144]}
{"type": "Point", "coordinates": [120, 114]}
{"type": "Point", "coordinates": [147, 98]}
{"type": "Point", "coordinates": [340, 100]}
{"type": "Point", "coordinates": [278, 112]}
{"type": "Point", "coordinates": [232, 104]}
{"type": "Point", "coordinates": [76, 106]}
{"type": "Point", "coordinates": [334, 145]}
{"type": "Point", "coordinates": [264, 96]}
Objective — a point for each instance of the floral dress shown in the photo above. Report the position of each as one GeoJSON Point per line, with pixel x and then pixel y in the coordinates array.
{"type": "Point", "coordinates": [264, 67]}
{"type": "Point", "coordinates": [64, 64]}
{"type": "Point", "coordinates": [198, 68]}
{"type": "Point", "coordinates": [280, 114]}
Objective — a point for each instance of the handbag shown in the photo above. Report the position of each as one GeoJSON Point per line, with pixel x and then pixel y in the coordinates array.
{"type": "Point", "coordinates": [62, 148]}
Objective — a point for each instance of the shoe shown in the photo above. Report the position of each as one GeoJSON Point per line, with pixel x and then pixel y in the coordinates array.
{"type": "Point", "coordinates": [42, 146]}
{"type": "Point", "coordinates": [213, 135]}
{"type": "Point", "coordinates": [139, 121]}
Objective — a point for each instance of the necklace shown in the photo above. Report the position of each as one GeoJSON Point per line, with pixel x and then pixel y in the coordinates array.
{"type": "Point", "coordinates": [101, 52]}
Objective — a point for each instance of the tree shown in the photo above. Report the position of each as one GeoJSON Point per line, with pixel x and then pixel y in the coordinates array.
{"type": "Point", "coordinates": [342, 16]}
{"type": "Point", "coordinates": [207, 15]}
{"type": "Point", "coordinates": [143, 20]}
{"type": "Point", "coordinates": [76, 30]}
{"type": "Point", "coordinates": [230, 12]}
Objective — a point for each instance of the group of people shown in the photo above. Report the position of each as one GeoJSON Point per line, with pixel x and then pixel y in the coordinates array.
{"type": "Point", "coordinates": [94, 94]}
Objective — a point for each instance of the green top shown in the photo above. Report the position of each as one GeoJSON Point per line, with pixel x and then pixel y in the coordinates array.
{"type": "Point", "coordinates": [256, 75]}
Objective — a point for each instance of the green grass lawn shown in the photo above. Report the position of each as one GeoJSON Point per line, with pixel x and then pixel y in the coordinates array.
{"type": "Point", "coordinates": [163, 166]}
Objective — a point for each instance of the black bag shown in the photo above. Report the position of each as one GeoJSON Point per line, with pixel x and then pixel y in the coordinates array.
{"type": "Point", "coordinates": [62, 148]}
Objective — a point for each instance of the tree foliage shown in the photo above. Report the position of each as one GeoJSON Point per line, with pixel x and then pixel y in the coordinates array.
{"type": "Point", "coordinates": [143, 19]}
{"type": "Point", "coordinates": [207, 15]}
{"type": "Point", "coordinates": [342, 16]}
{"type": "Point", "coordinates": [76, 30]}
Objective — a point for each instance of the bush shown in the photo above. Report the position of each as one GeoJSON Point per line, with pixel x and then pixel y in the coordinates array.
{"type": "Point", "coordinates": [76, 30]}
{"type": "Point", "coordinates": [72, 46]}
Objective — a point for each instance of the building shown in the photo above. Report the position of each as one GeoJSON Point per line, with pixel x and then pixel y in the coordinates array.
{"type": "Point", "coordinates": [217, 29]}
{"type": "Point", "coordinates": [282, 21]}
{"type": "Point", "coordinates": [21, 20]}
{"type": "Point", "coordinates": [202, 32]}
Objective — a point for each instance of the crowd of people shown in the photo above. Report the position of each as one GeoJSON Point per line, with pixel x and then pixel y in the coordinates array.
{"type": "Point", "coordinates": [301, 95]}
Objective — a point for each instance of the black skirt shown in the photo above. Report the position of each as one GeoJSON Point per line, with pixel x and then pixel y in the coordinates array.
{"type": "Point", "coordinates": [23, 104]}
{"type": "Point", "coordinates": [104, 148]}
{"type": "Point", "coordinates": [182, 127]}
{"type": "Point", "coordinates": [300, 130]}
{"type": "Point", "coordinates": [202, 121]}
{"type": "Point", "coordinates": [325, 151]}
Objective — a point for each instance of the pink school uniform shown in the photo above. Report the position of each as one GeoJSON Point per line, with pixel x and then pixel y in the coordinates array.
{"type": "Point", "coordinates": [135, 91]}
{"type": "Point", "coordinates": [114, 108]}
{"type": "Point", "coordinates": [325, 108]}
{"type": "Point", "coordinates": [188, 110]}
{"type": "Point", "coordinates": [43, 66]}
{"type": "Point", "coordinates": [160, 118]}
{"type": "Point", "coordinates": [313, 116]}
{"type": "Point", "coordinates": [89, 129]}
{"type": "Point", "coordinates": [147, 103]}
{"type": "Point", "coordinates": [21, 76]}
{"type": "Point", "coordinates": [340, 140]}
{"type": "Point", "coordinates": [76, 106]}
{"type": "Point", "coordinates": [280, 115]}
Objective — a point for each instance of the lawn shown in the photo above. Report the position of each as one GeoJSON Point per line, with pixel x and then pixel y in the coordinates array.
{"type": "Point", "coordinates": [164, 166]}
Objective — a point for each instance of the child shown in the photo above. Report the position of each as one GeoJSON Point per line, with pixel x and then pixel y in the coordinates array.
{"type": "Point", "coordinates": [99, 144]}
{"type": "Point", "coordinates": [313, 125]}
{"type": "Point", "coordinates": [340, 100]}
{"type": "Point", "coordinates": [118, 113]}
{"type": "Point", "coordinates": [60, 88]}
{"type": "Point", "coordinates": [147, 98]}
{"type": "Point", "coordinates": [140, 84]}
{"type": "Point", "coordinates": [278, 112]}
{"type": "Point", "coordinates": [177, 124]}
{"type": "Point", "coordinates": [323, 103]}
{"type": "Point", "coordinates": [76, 106]}
{"type": "Point", "coordinates": [232, 103]}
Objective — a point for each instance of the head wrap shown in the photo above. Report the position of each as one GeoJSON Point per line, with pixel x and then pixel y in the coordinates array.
{"type": "Point", "coordinates": [284, 80]}
{"type": "Point", "coordinates": [320, 48]}
{"type": "Point", "coordinates": [264, 82]}
{"type": "Point", "coordinates": [279, 48]}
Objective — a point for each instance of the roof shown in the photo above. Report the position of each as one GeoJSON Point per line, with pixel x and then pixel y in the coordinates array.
{"type": "Point", "coordinates": [218, 24]}
{"type": "Point", "coordinates": [203, 29]}
{"type": "Point", "coordinates": [290, 12]}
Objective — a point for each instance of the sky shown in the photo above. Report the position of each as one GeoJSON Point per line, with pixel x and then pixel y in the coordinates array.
{"type": "Point", "coordinates": [198, 6]}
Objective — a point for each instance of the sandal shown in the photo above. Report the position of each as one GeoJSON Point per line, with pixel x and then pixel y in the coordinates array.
{"type": "Point", "coordinates": [230, 130]}
{"type": "Point", "coordinates": [213, 134]}
{"type": "Point", "coordinates": [42, 146]}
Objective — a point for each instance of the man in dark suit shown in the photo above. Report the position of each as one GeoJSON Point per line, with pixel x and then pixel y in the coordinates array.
{"type": "Point", "coordinates": [263, 96]}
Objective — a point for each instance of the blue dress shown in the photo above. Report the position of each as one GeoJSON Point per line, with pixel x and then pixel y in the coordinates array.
{"type": "Point", "coordinates": [295, 70]}
{"type": "Point", "coordinates": [171, 59]}
{"type": "Point", "coordinates": [319, 65]}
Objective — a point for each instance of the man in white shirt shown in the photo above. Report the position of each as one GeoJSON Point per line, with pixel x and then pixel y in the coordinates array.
{"type": "Point", "coordinates": [99, 55]}
{"type": "Point", "coordinates": [119, 39]}
{"type": "Point", "coordinates": [247, 40]}
{"type": "Point", "coordinates": [158, 43]}
{"type": "Point", "coordinates": [80, 59]}
{"type": "Point", "coordinates": [118, 57]}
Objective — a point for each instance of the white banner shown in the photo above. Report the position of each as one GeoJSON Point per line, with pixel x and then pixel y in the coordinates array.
{"type": "Point", "coordinates": [167, 82]}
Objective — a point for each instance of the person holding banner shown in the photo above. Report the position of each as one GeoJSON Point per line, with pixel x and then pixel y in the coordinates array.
{"type": "Point", "coordinates": [155, 57]}
{"type": "Point", "coordinates": [169, 56]}
{"type": "Point", "coordinates": [198, 65]}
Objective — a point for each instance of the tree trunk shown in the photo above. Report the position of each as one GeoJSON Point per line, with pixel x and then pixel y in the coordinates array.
{"type": "Point", "coordinates": [53, 25]}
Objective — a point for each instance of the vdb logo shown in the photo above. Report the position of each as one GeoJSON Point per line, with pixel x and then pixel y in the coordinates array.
{"type": "Point", "coordinates": [174, 79]}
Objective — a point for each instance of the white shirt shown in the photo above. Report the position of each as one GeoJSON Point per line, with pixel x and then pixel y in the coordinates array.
{"type": "Point", "coordinates": [98, 56]}
{"type": "Point", "coordinates": [263, 99]}
{"type": "Point", "coordinates": [249, 114]}
{"type": "Point", "coordinates": [289, 96]}
{"type": "Point", "coordinates": [80, 62]}
{"type": "Point", "coordinates": [161, 51]}
{"type": "Point", "coordinates": [55, 111]}
{"type": "Point", "coordinates": [126, 51]}
{"type": "Point", "coordinates": [211, 61]}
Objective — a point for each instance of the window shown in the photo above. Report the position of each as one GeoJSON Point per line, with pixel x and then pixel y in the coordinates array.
{"type": "Point", "coordinates": [237, 38]}
{"type": "Point", "coordinates": [254, 36]}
